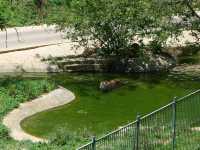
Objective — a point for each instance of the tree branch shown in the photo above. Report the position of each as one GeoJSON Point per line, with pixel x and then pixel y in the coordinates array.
{"type": "Point", "coordinates": [192, 9]}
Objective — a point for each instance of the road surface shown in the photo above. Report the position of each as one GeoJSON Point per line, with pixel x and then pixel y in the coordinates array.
{"type": "Point", "coordinates": [33, 36]}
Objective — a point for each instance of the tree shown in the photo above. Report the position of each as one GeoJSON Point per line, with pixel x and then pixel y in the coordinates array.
{"type": "Point", "coordinates": [4, 18]}
{"type": "Point", "coordinates": [110, 25]}
{"type": "Point", "coordinates": [194, 17]}
{"type": "Point", "coordinates": [40, 5]}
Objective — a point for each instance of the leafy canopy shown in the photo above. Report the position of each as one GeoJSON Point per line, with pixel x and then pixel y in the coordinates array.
{"type": "Point", "coordinates": [110, 25]}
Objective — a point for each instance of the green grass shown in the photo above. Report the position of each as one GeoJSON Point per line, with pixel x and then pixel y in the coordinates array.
{"type": "Point", "coordinates": [27, 13]}
{"type": "Point", "coordinates": [95, 113]}
{"type": "Point", "coordinates": [16, 90]}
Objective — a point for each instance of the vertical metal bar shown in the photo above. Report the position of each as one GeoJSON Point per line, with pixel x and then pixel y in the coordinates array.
{"type": "Point", "coordinates": [137, 133]}
{"type": "Point", "coordinates": [94, 143]}
{"type": "Point", "coordinates": [174, 124]}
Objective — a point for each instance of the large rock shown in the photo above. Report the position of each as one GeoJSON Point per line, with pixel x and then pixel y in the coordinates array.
{"type": "Point", "coordinates": [151, 63]}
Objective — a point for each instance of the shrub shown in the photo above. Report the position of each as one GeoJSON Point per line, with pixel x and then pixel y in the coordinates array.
{"type": "Point", "coordinates": [155, 46]}
{"type": "Point", "coordinates": [63, 138]}
{"type": "Point", "coordinates": [3, 132]}
{"type": "Point", "coordinates": [4, 15]}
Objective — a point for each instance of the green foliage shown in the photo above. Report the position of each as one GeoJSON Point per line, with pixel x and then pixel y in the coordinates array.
{"type": "Point", "coordinates": [63, 138]}
{"type": "Point", "coordinates": [110, 25]}
{"type": "Point", "coordinates": [28, 12]}
{"type": "Point", "coordinates": [156, 47]}
{"type": "Point", "coordinates": [3, 132]}
{"type": "Point", "coordinates": [15, 91]}
{"type": "Point", "coordinates": [4, 15]}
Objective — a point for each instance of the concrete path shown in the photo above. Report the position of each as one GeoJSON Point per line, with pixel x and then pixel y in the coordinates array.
{"type": "Point", "coordinates": [32, 36]}
{"type": "Point", "coordinates": [35, 43]}
{"type": "Point", "coordinates": [31, 60]}
{"type": "Point", "coordinates": [53, 99]}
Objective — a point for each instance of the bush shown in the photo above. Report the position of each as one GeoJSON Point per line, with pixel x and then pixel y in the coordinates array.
{"type": "Point", "coordinates": [3, 132]}
{"type": "Point", "coordinates": [16, 90]}
{"type": "Point", "coordinates": [155, 46]}
{"type": "Point", "coordinates": [4, 15]}
{"type": "Point", "coordinates": [63, 138]}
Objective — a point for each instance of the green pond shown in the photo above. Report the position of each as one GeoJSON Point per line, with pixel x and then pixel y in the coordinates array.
{"type": "Point", "coordinates": [96, 113]}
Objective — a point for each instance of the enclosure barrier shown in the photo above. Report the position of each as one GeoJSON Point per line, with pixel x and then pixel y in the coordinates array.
{"type": "Point", "coordinates": [175, 126]}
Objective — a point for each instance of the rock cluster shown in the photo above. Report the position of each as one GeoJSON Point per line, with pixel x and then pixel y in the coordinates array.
{"type": "Point", "coordinates": [154, 63]}
{"type": "Point", "coordinates": [157, 63]}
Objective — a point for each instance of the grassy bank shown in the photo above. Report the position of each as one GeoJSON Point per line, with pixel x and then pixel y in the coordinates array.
{"type": "Point", "coordinates": [14, 91]}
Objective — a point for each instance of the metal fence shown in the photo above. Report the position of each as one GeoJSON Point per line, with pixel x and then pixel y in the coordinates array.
{"type": "Point", "coordinates": [174, 126]}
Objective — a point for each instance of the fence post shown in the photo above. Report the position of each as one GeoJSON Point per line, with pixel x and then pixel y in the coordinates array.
{"type": "Point", "coordinates": [174, 124]}
{"type": "Point", "coordinates": [137, 132]}
{"type": "Point", "coordinates": [94, 143]}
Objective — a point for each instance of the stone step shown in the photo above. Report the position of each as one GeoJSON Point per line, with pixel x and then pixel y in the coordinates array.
{"type": "Point", "coordinates": [59, 58]}
{"type": "Point", "coordinates": [81, 61]}
{"type": "Point", "coordinates": [84, 68]}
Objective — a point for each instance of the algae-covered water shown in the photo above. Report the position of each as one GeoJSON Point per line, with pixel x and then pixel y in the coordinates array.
{"type": "Point", "coordinates": [95, 112]}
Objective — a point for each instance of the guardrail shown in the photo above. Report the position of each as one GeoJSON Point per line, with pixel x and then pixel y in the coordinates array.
{"type": "Point", "coordinates": [174, 126]}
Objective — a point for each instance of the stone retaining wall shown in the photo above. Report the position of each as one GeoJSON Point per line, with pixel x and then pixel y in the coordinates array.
{"type": "Point", "coordinates": [154, 63]}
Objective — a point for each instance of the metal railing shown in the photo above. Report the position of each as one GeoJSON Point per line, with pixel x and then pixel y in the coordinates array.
{"type": "Point", "coordinates": [174, 126]}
